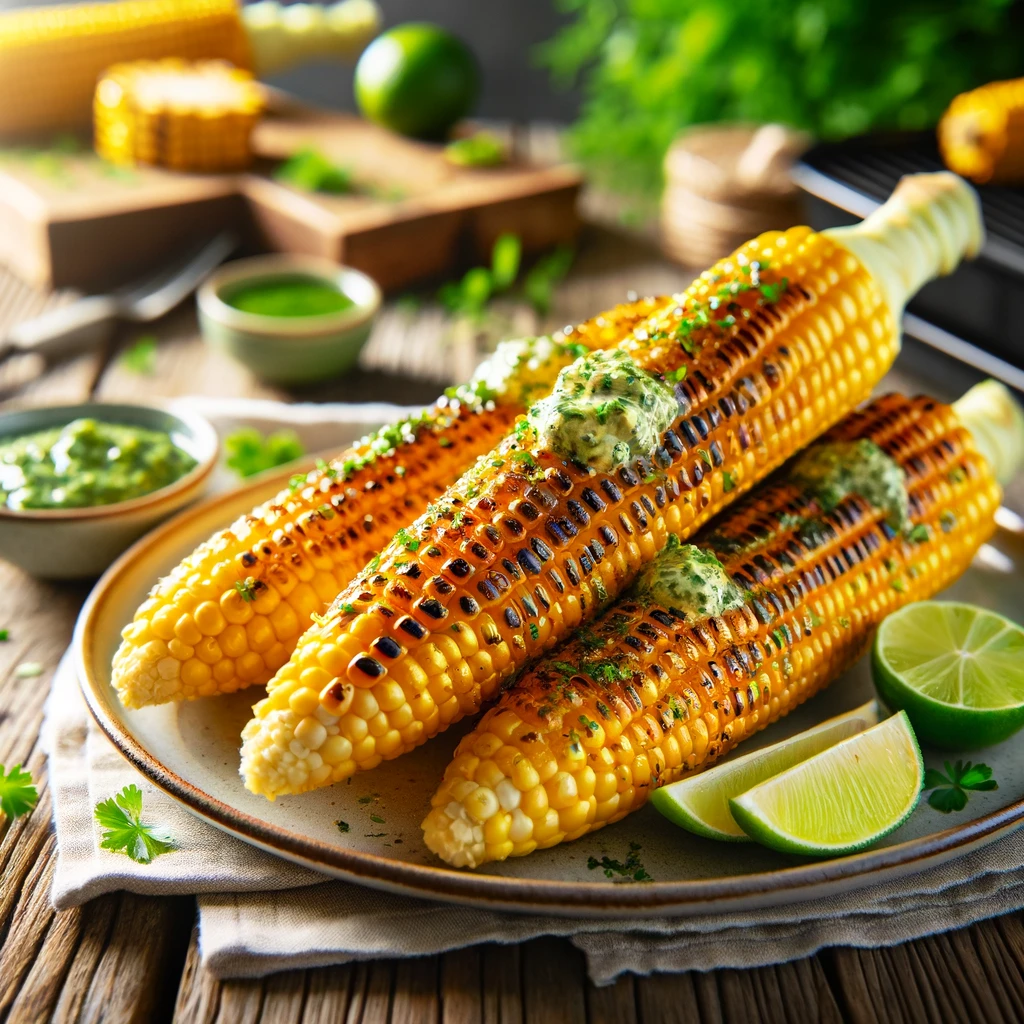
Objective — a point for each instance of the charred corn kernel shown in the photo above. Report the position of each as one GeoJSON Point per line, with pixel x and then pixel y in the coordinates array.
{"type": "Point", "coordinates": [981, 135]}
{"type": "Point", "coordinates": [794, 566]}
{"type": "Point", "coordinates": [529, 542]}
{"type": "Point", "coordinates": [52, 57]}
{"type": "Point", "coordinates": [336, 518]}
{"type": "Point", "coordinates": [186, 116]}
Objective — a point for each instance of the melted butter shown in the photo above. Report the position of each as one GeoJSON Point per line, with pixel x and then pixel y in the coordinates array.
{"type": "Point", "coordinates": [689, 580]}
{"type": "Point", "coordinates": [832, 472]}
{"type": "Point", "coordinates": [604, 410]}
{"type": "Point", "coordinates": [518, 371]}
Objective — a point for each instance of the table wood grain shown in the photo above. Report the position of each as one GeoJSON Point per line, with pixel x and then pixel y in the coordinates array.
{"type": "Point", "coordinates": [133, 958]}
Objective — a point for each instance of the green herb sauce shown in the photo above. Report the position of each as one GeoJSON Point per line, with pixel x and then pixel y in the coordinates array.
{"type": "Point", "coordinates": [689, 580]}
{"type": "Point", "coordinates": [832, 472]}
{"type": "Point", "coordinates": [288, 296]}
{"type": "Point", "coordinates": [604, 410]}
{"type": "Point", "coordinates": [87, 463]}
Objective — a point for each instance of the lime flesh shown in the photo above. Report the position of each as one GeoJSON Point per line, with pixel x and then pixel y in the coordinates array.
{"type": "Point", "coordinates": [957, 670]}
{"type": "Point", "coordinates": [840, 800]}
{"type": "Point", "coordinates": [700, 803]}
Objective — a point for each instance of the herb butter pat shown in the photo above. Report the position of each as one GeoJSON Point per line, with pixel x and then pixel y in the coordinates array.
{"type": "Point", "coordinates": [517, 370]}
{"type": "Point", "coordinates": [832, 472]}
{"type": "Point", "coordinates": [604, 410]}
{"type": "Point", "coordinates": [689, 580]}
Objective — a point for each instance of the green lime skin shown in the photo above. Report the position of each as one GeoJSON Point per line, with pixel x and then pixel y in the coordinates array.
{"type": "Point", "coordinates": [938, 724]}
{"type": "Point", "coordinates": [418, 80]}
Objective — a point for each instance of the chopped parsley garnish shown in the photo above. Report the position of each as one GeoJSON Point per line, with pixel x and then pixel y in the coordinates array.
{"type": "Point", "coordinates": [703, 453]}
{"type": "Point", "coordinates": [630, 869]}
{"type": "Point", "coordinates": [407, 540]}
{"type": "Point", "coordinates": [123, 831]}
{"type": "Point", "coordinates": [343, 826]}
{"type": "Point", "coordinates": [675, 376]}
{"type": "Point", "coordinates": [947, 521]}
{"type": "Point", "coordinates": [18, 793]}
{"type": "Point", "coordinates": [727, 481]}
{"type": "Point", "coordinates": [376, 819]}
{"type": "Point", "coordinates": [534, 631]}
{"type": "Point", "coordinates": [246, 588]}
{"type": "Point", "coordinates": [919, 534]}
{"type": "Point", "coordinates": [949, 791]}
{"type": "Point", "coordinates": [297, 482]}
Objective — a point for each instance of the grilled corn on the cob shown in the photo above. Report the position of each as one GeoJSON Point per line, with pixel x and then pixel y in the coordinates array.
{"type": "Point", "coordinates": [791, 584]}
{"type": "Point", "coordinates": [230, 614]}
{"type": "Point", "coordinates": [187, 116]}
{"type": "Point", "coordinates": [981, 135]}
{"type": "Point", "coordinates": [762, 353]}
{"type": "Point", "coordinates": [52, 57]}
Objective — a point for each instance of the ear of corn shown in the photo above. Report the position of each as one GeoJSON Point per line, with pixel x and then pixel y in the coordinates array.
{"type": "Point", "coordinates": [650, 694]}
{"type": "Point", "coordinates": [763, 352]}
{"type": "Point", "coordinates": [195, 116]}
{"type": "Point", "coordinates": [52, 57]}
{"type": "Point", "coordinates": [981, 135]}
{"type": "Point", "coordinates": [231, 613]}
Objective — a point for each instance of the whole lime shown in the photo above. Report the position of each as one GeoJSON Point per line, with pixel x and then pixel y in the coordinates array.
{"type": "Point", "coordinates": [417, 79]}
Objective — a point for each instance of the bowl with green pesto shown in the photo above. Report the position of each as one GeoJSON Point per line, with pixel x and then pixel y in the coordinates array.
{"type": "Point", "coordinates": [291, 319]}
{"type": "Point", "coordinates": [80, 483]}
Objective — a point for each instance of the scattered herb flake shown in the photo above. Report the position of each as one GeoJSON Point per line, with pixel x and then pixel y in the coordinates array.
{"type": "Point", "coordinates": [376, 819]}
{"type": "Point", "coordinates": [343, 826]}
{"type": "Point", "coordinates": [246, 588]}
{"type": "Point", "coordinates": [630, 869]}
{"type": "Point", "coordinates": [4, 635]}
{"type": "Point", "coordinates": [534, 631]}
{"type": "Point", "coordinates": [28, 670]}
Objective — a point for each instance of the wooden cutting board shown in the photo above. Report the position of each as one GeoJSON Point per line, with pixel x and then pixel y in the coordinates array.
{"type": "Point", "coordinates": [69, 220]}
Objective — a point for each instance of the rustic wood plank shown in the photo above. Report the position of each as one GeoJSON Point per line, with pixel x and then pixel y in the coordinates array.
{"type": "Point", "coordinates": [797, 991]}
{"type": "Point", "coordinates": [328, 995]}
{"type": "Point", "coordinates": [461, 986]}
{"type": "Point", "coordinates": [198, 997]}
{"type": "Point", "coordinates": [671, 999]}
{"type": "Point", "coordinates": [284, 995]}
{"type": "Point", "coordinates": [502, 992]}
{"type": "Point", "coordinates": [553, 983]}
{"type": "Point", "coordinates": [416, 999]}
{"type": "Point", "coordinates": [371, 993]}
{"type": "Point", "coordinates": [612, 1004]}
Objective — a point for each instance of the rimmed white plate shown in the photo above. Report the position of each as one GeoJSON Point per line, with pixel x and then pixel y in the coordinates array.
{"type": "Point", "coordinates": [191, 752]}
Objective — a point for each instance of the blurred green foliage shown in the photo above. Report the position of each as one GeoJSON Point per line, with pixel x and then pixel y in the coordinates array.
{"type": "Point", "coordinates": [833, 67]}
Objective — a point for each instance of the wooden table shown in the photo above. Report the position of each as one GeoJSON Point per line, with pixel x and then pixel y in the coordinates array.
{"type": "Point", "coordinates": [134, 958]}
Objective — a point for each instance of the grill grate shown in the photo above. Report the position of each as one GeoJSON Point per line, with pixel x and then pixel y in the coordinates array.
{"type": "Point", "coordinates": [873, 165]}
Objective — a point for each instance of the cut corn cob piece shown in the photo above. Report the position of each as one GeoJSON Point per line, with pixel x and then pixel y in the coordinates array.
{"type": "Point", "coordinates": [763, 352]}
{"type": "Point", "coordinates": [186, 116]}
{"type": "Point", "coordinates": [981, 135]}
{"type": "Point", "coordinates": [52, 57]}
{"type": "Point", "coordinates": [655, 690]}
{"type": "Point", "coordinates": [230, 614]}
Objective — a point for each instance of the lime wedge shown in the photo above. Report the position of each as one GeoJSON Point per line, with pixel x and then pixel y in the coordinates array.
{"type": "Point", "coordinates": [957, 670]}
{"type": "Point", "coordinates": [840, 800]}
{"type": "Point", "coordinates": [700, 803]}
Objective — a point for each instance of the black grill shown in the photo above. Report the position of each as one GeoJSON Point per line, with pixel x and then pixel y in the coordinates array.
{"type": "Point", "coordinates": [984, 300]}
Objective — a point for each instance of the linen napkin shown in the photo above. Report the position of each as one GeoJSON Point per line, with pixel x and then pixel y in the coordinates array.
{"type": "Point", "coordinates": [259, 914]}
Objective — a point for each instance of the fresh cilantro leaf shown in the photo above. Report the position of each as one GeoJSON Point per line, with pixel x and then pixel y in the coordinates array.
{"type": "Point", "coordinates": [342, 826]}
{"type": "Point", "coordinates": [17, 792]}
{"type": "Point", "coordinates": [141, 357]}
{"type": "Point", "coordinates": [949, 790]}
{"type": "Point", "coordinates": [120, 818]}
{"type": "Point", "coordinates": [249, 452]}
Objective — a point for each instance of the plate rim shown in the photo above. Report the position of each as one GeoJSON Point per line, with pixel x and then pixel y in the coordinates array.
{"type": "Point", "coordinates": [441, 883]}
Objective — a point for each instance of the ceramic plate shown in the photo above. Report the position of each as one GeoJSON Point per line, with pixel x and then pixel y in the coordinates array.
{"type": "Point", "coordinates": [191, 751]}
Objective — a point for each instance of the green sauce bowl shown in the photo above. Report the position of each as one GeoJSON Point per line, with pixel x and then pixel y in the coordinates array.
{"type": "Point", "coordinates": [80, 543]}
{"type": "Point", "coordinates": [288, 349]}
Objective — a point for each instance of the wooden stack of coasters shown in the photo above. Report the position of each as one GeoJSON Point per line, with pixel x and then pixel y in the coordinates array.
{"type": "Point", "coordinates": [725, 184]}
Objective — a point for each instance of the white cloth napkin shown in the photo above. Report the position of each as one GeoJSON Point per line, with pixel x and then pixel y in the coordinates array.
{"type": "Point", "coordinates": [259, 914]}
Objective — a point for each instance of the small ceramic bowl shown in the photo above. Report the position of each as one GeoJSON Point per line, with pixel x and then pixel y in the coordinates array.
{"type": "Point", "coordinates": [289, 350]}
{"type": "Point", "coordinates": [80, 543]}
